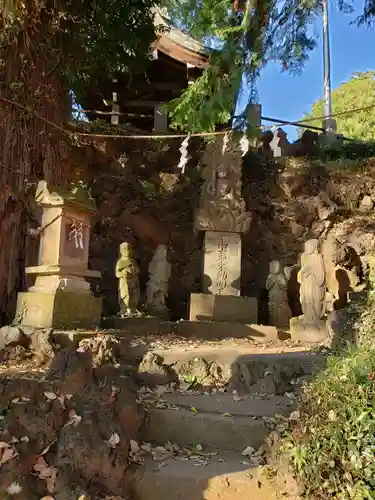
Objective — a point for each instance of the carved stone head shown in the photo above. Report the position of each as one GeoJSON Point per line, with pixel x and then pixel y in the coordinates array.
{"type": "Point", "coordinates": [275, 267]}
{"type": "Point", "coordinates": [126, 251]}
{"type": "Point", "coordinates": [311, 246]}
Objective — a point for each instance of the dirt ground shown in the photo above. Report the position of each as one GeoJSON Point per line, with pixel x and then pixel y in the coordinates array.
{"type": "Point", "coordinates": [66, 421]}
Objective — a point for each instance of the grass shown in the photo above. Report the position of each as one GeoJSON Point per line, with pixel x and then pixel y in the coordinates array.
{"type": "Point", "coordinates": [332, 445]}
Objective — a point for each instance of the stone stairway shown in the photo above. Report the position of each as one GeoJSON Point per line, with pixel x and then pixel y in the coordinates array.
{"type": "Point", "coordinates": [213, 432]}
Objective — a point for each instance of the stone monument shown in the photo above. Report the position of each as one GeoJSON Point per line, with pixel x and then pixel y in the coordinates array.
{"type": "Point", "coordinates": [127, 272]}
{"type": "Point", "coordinates": [159, 271]}
{"type": "Point", "coordinates": [311, 326]}
{"type": "Point", "coordinates": [277, 286]}
{"type": "Point", "coordinates": [223, 217]}
{"type": "Point", "coordinates": [61, 296]}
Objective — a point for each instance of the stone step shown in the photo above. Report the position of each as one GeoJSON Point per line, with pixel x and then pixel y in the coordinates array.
{"type": "Point", "coordinates": [243, 367]}
{"type": "Point", "coordinates": [226, 478]}
{"type": "Point", "coordinates": [202, 330]}
{"type": "Point", "coordinates": [215, 421]}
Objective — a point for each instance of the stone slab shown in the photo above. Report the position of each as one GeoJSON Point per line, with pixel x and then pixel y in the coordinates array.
{"type": "Point", "coordinates": [56, 270]}
{"type": "Point", "coordinates": [223, 308]}
{"type": "Point", "coordinates": [226, 477]}
{"type": "Point", "coordinates": [308, 333]}
{"type": "Point", "coordinates": [59, 310]}
{"type": "Point", "coordinates": [248, 406]}
{"type": "Point", "coordinates": [220, 330]}
{"type": "Point", "coordinates": [222, 263]}
{"type": "Point", "coordinates": [183, 427]}
{"type": "Point", "coordinates": [205, 330]}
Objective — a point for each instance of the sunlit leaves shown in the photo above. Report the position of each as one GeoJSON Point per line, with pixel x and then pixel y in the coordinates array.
{"type": "Point", "coordinates": [358, 92]}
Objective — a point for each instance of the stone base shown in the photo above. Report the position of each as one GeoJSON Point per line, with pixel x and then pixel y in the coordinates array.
{"type": "Point", "coordinates": [58, 310]}
{"type": "Point", "coordinates": [227, 308]}
{"type": "Point", "coordinates": [203, 330]}
{"type": "Point", "coordinates": [304, 332]}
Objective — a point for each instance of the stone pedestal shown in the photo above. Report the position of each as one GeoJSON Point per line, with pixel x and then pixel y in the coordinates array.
{"type": "Point", "coordinates": [61, 296]}
{"type": "Point", "coordinates": [303, 332]}
{"type": "Point", "coordinates": [222, 263]}
{"type": "Point", "coordinates": [223, 217]}
{"type": "Point", "coordinates": [223, 308]}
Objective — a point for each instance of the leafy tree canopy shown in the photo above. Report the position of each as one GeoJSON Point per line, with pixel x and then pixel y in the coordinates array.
{"type": "Point", "coordinates": [247, 36]}
{"type": "Point", "coordinates": [358, 92]}
{"type": "Point", "coordinates": [86, 38]}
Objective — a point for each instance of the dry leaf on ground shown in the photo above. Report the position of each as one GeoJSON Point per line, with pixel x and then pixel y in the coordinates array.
{"type": "Point", "coordinates": [114, 440]}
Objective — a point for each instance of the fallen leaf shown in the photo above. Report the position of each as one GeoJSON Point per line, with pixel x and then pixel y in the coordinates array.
{"type": "Point", "coordinates": [247, 452]}
{"type": "Point", "coordinates": [114, 440]}
{"type": "Point", "coordinates": [236, 397]}
{"type": "Point", "coordinates": [48, 447]}
{"type": "Point", "coordinates": [199, 447]}
{"type": "Point", "coordinates": [134, 446]}
{"type": "Point", "coordinates": [51, 480]}
{"type": "Point", "coordinates": [40, 464]}
{"type": "Point", "coordinates": [14, 489]}
{"type": "Point", "coordinates": [50, 395]}
{"type": "Point", "coordinates": [294, 416]}
{"type": "Point", "coordinates": [226, 414]}
{"type": "Point", "coordinates": [74, 419]}
{"type": "Point", "coordinates": [194, 410]}
{"type": "Point", "coordinates": [146, 447]}
{"type": "Point", "coordinates": [331, 416]}
{"type": "Point", "coordinates": [8, 454]}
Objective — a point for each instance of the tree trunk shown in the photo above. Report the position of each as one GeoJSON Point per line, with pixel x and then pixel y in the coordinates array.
{"type": "Point", "coordinates": [30, 150]}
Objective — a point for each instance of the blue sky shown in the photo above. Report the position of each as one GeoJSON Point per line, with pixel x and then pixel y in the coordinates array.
{"type": "Point", "coordinates": [352, 49]}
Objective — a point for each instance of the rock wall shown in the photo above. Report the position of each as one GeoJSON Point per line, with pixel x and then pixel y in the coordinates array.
{"type": "Point", "coordinates": [143, 198]}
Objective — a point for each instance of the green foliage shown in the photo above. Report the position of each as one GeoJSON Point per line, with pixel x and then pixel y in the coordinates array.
{"type": "Point", "coordinates": [348, 150]}
{"type": "Point", "coordinates": [358, 92]}
{"type": "Point", "coordinates": [89, 39]}
{"type": "Point", "coordinates": [332, 446]}
{"type": "Point", "coordinates": [244, 42]}
{"type": "Point", "coordinates": [195, 112]}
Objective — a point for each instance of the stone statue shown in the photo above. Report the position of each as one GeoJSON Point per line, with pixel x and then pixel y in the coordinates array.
{"type": "Point", "coordinates": [159, 271]}
{"type": "Point", "coordinates": [127, 272]}
{"type": "Point", "coordinates": [277, 286]}
{"type": "Point", "coordinates": [313, 284]}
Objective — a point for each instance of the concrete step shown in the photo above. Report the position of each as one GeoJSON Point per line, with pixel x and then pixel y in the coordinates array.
{"type": "Point", "coordinates": [246, 368]}
{"type": "Point", "coordinates": [215, 421]}
{"type": "Point", "coordinates": [226, 478]}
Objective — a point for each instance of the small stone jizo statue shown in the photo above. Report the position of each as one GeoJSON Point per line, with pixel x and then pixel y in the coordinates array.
{"type": "Point", "coordinates": [277, 286]}
{"type": "Point", "coordinates": [313, 284]}
{"type": "Point", "coordinates": [157, 286]}
{"type": "Point", "coordinates": [127, 272]}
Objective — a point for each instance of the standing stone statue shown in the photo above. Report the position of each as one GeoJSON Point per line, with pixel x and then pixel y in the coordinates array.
{"type": "Point", "coordinates": [127, 272]}
{"type": "Point", "coordinates": [159, 271]}
{"type": "Point", "coordinates": [277, 286]}
{"type": "Point", "coordinates": [313, 284]}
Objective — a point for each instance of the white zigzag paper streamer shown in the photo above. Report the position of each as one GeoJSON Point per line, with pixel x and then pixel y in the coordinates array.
{"type": "Point", "coordinates": [244, 144]}
{"type": "Point", "coordinates": [184, 154]}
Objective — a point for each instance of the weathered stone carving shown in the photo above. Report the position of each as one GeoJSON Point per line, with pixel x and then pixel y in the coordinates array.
{"type": "Point", "coordinates": [157, 286]}
{"type": "Point", "coordinates": [277, 286]}
{"type": "Point", "coordinates": [313, 283]}
{"type": "Point", "coordinates": [221, 206]}
{"type": "Point", "coordinates": [222, 264]}
{"type": "Point", "coordinates": [127, 272]}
